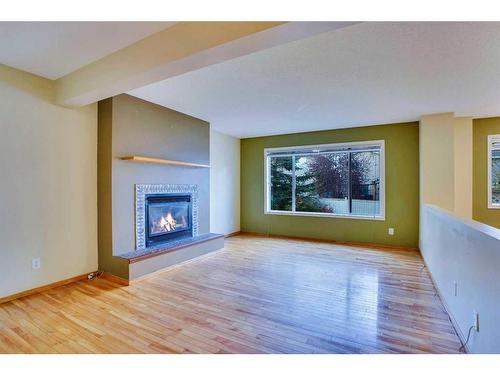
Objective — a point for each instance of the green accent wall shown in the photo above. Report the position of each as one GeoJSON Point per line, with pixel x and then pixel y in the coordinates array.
{"type": "Point", "coordinates": [107, 262]}
{"type": "Point", "coordinates": [480, 211]}
{"type": "Point", "coordinates": [401, 186]}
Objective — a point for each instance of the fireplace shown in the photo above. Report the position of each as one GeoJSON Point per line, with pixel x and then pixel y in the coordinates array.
{"type": "Point", "coordinates": [168, 217]}
{"type": "Point", "coordinates": [165, 213]}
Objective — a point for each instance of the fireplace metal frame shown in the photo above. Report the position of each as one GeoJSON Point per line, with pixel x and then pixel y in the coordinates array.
{"type": "Point", "coordinates": [142, 191]}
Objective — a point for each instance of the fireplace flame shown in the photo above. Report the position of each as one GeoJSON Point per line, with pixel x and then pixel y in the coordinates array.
{"type": "Point", "coordinates": [168, 223]}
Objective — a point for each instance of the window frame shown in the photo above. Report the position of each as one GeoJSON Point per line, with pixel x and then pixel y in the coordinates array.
{"type": "Point", "coordinates": [491, 139]}
{"type": "Point", "coordinates": [342, 147]}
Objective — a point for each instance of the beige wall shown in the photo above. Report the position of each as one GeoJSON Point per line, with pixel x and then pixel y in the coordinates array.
{"type": "Point", "coordinates": [446, 162]}
{"type": "Point", "coordinates": [48, 194]}
{"type": "Point", "coordinates": [437, 159]}
{"type": "Point", "coordinates": [224, 183]}
{"type": "Point", "coordinates": [463, 167]}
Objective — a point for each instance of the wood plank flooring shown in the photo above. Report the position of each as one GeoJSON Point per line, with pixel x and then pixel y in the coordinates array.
{"type": "Point", "coordinates": [258, 295]}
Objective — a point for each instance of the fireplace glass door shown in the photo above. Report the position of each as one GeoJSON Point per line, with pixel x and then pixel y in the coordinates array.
{"type": "Point", "coordinates": [168, 217]}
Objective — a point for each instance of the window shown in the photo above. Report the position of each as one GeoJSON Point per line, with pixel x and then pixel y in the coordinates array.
{"type": "Point", "coordinates": [326, 180]}
{"type": "Point", "coordinates": [494, 171]}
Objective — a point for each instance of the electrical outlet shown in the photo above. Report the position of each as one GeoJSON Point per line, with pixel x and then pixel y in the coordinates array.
{"type": "Point", "coordinates": [475, 321]}
{"type": "Point", "coordinates": [455, 288]}
{"type": "Point", "coordinates": [35, 263]}
{"type": "Point", "coordinates": [391, 231]}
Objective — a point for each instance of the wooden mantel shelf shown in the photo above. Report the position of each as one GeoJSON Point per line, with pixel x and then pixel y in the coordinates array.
{"type": "Point", "coordinates": [145, 159]}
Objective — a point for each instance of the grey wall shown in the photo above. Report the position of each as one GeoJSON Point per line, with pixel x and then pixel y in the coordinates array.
{"type": "Point", "coordinates": [466, 252]}
{"type": "Point", "coordinates": [131, 126]}
{"type": "Point", "coordinates": [146, 129]}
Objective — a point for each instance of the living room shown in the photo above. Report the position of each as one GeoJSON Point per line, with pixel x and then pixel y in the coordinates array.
{"type": "Point", "coordinates": [249, 187]}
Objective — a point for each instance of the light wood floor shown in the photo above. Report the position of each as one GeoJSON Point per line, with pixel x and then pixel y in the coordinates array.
{"type": "Point", "coordinates": [258, 295]}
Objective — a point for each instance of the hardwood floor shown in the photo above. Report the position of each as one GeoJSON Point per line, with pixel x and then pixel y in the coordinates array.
{"type": "Point", "coordinates": [258, 295]}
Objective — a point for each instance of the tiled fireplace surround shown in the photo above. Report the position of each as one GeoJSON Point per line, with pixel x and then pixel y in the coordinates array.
{"type": "Point", "coordinates": [142, 191]}
{"type": "Point", "coordinates": [190, 246]}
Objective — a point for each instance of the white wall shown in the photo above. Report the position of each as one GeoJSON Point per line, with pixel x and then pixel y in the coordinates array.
{"type": "Point", "coordinates": [467, 252]}
{"type": "Point", "coordinates": [455, 248]}
{"type": "Point", "coordinates": [224, 183]}
{"type": "Point", "coordinates": [48, 190]}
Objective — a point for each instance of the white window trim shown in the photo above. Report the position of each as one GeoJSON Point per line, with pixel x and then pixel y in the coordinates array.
{"type": "Point", "coordinates": [267, 184]}
{"type": "Point", "coordinates": [491, 139]}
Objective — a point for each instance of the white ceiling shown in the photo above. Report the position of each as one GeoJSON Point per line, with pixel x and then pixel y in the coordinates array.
{"type": "Point", "coordinates": [54, 49]}
{"type": "Point", "coordinates": [370, 73]}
